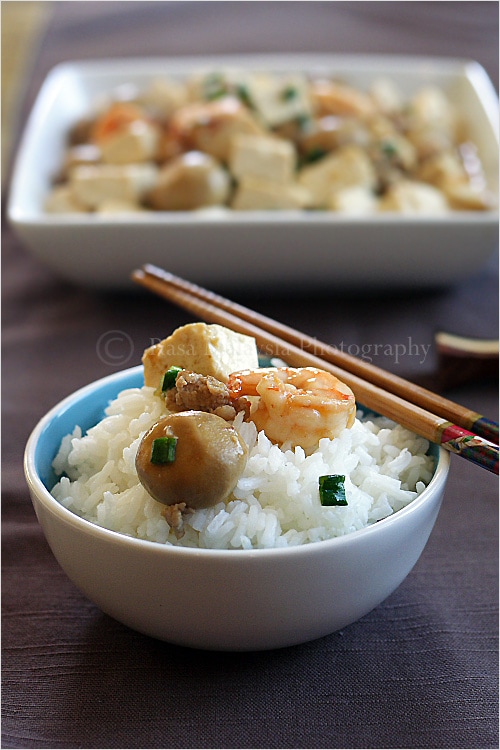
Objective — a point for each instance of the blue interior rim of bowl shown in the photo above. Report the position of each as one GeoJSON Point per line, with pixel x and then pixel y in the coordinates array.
{"type": "Point", "coordinates": [86, 412]}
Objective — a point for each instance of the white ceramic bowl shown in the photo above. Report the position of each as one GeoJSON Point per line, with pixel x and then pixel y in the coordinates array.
{"type": "Point", "coordinates": [225, 600]}
{"type": "Point", "coordinates": [253, 247]}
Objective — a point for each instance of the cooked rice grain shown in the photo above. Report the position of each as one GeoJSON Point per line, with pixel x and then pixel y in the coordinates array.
{"type": "Point", "coordinates": [276, 501]}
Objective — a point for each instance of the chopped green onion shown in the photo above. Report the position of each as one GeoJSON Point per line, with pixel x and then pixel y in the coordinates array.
{"type": "Point", "coordinates": [388, 148]}
{"type": "Point", "coordinates": [163, 450]}
{"type": "Point", "coordinates": [216, 94]}
{"type": "Point", "coordinates": [288, 93]}
{"type": "Point", "coordinates": [214, 86]}
{"type": "Point", "coordinates": [169, 378]}
{"type": "Point", "coordinates": [243, 95]}
{"type": "Point", "coordinates": [332, 489]}
{"type": "Point", "coordinates": [303, 122]}
{"type": "Point", "coordinates": [315, 154]}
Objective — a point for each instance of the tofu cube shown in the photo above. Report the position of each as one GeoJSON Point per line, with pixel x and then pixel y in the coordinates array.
{"type": "Point", "coordinates": [356, 201]}
{"type": "Point", "coordinates": [163, 96]}
{"type": "Point", "coordinates": [386, 95]}
{"type": "Point", "coordinates": [408, 197]}
{"type": "Point", "coordinates": [280, 99]}
{"type": "Point", "coordinates": [93, 185]}
{"type": "Point", "coordinates": [206, 349]}
{"type": "Point", "coordinates": [431, 106]}
{"type": "Point", "coordinates": [136, 143]}
{"type": "Point", "coordinates": [84, 153]}
{"type": "Point", "coordinates": [347, 167]}
{"type": "Point", "coordinates": [262, 157]}
{"type": "Point", "coordinates": [464, 197]}
{"type": "Point", "coordinates": [61, 200]}
{"type": "Point", "coordinates": [262, 195]}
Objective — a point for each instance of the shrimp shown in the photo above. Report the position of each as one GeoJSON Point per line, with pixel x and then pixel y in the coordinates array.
{"type": "Point", "coordinates": [209, 127]}
{"type": "Point", "coordinates": [119, 116]}
{"type": "Point", "coordinates": [334, 98]}
{"type": "Point", "coordinates": [300, 405]}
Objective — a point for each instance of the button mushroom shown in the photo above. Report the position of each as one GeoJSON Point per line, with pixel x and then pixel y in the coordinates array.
{"type": "Point", "coordinates": [209, 457]}
{"type": "Point", "coordinates": [192, 180]}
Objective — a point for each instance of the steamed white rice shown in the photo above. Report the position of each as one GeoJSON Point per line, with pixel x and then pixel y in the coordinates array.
{"type": "Point", "coordinates": [276, 501]}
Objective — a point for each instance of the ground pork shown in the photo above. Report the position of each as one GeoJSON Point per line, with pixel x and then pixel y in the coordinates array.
{"type": "Point", "coordinates": [200, 392]}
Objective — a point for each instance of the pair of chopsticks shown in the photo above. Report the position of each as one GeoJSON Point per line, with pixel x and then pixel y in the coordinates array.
{"type": "Point", "coordinates": [437, 419]}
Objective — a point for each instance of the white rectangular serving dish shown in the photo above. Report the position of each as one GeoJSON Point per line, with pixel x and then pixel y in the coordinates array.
{"type": "Point", "coordinates": [246, 248]}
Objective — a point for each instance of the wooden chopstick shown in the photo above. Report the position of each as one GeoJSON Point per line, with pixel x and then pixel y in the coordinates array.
{"type": "Point", "coordinates": [212, 308]}
{"type": "Point", "coordinates": [459, 415]}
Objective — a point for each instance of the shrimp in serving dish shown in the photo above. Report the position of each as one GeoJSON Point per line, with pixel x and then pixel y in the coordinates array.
{"type": "Point", "coordinates": [300, 405]}
{"type": "Point", "coordinates": [209, 127]}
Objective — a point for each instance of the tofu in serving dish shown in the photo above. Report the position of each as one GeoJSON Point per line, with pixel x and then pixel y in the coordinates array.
{"type": "Point", "coordinates": [257, 141]}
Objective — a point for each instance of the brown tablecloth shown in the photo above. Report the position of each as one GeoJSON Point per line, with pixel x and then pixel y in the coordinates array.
{"type": "Point", "coordinates": [421, 669]}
